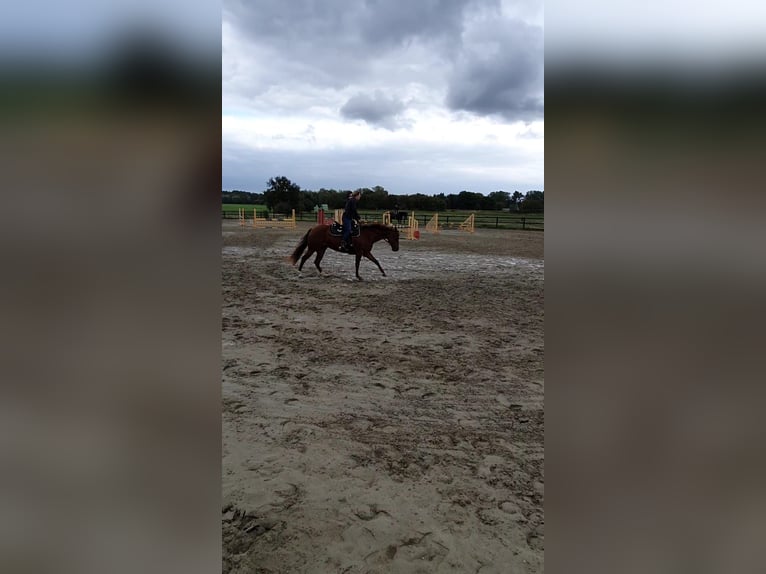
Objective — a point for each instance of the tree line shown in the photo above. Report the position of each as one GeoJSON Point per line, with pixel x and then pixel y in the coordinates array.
{"type": "Point", "coordinates": [282, 195]}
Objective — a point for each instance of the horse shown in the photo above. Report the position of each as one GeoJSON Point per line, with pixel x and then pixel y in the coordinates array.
{"type": "Point", "coordinates": [318, 239]}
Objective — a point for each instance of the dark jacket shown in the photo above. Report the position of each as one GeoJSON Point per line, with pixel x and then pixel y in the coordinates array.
{"type": "Point", "coordinates": [350, 209]}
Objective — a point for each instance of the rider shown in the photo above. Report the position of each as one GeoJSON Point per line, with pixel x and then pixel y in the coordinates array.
{"type": "Point", "coordinates": [349, 213]}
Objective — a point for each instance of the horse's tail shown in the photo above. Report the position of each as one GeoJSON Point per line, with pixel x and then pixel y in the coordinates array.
{"type": "Point", "coordinates": [293, 259]}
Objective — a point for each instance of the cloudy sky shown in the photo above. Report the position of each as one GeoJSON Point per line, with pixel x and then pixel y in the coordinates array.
{"type": "Point", "coordinates": [419, 96]}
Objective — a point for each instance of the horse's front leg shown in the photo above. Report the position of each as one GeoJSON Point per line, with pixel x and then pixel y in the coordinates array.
{"type": "Point", "coordinates": [369, 256]}
{"type": "Point", "coordinates": [358, 259]}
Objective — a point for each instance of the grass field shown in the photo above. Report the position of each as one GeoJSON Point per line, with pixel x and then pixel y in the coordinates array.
{"type": "Point", "coordinates": [229, 207]}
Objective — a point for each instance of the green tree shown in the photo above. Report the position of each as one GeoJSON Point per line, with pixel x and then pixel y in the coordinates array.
{"type": "Point", "coordinates": [516, 200]}
{"type": "Point", "coordinates": [375, 198]}
{"type": "Point", "coordinates": [238, 196]}
{"type": "Point", "coordinates": [439, 202]}
{"type": "Point", "coordinates": [533, 202]}
{"type": "Point", "coordinates": [282, 195]}
{"type": "Point", "coordinates": [469, 200]}
{"type": "Point", "coordinates": [497, 200]}
{"type": "Point", "coordinates": [308, 200]}
{"type": "Point", "coordinates": [325, 197]}
{"type": "Point", "coordinates": [338, 199]}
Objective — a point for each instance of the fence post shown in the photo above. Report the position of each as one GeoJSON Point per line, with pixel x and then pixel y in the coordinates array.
{"type": "Point", "coordinates": [523, 222]}
{"type": "Point", "coordinates": [497, 221]}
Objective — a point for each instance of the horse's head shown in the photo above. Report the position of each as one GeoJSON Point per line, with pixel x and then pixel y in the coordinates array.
{"type": "Point", "coordinates": [393, 238]}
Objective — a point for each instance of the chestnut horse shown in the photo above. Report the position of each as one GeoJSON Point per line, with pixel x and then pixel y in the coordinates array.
{"type": "Point", "coordinates": [319, 238]}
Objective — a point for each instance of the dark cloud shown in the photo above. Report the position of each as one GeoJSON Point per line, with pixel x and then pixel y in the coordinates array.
{"type": "Point", "coordinates": [387, 22]}
{"type": "Point", "coordinates": [336, 42]}
{"type": "Point", "coordinates": [376, 110]}
{"type": "Point", "coordinates": [366, 22]}
{"type": "Point", "coordinates": [489, 63]}
{"type": "Point", "coordinates": [501, 73]}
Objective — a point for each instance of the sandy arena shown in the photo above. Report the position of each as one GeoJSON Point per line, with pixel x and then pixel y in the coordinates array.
{"type": "Point", "coordinates": [389, 425]}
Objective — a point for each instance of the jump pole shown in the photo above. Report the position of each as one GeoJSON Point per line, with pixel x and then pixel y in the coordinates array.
{"type": "Point", "coordinates": [262, 222]}
{"type": "Point", "coordinates": [411, 232]}
{"type": "Point", "coordinates": [469, 224]}
{"type": "Point", "coordinates": [433, 224]}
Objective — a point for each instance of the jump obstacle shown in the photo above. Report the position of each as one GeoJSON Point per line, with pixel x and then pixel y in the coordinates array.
{"type": "Point", "coordinates": [323, 219]}
{"type": "Point", "coordinates": [263, 223]}
{"type": "Point", "coordinates": [411, 231]}
{"type": "Point", "coordinates": [468, 225]}
{"type": "Point", "coordinates": [433, 224]}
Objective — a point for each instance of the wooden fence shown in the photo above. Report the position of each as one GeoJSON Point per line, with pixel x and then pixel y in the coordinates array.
{"type": "Point", "coordinates": [446, 220]}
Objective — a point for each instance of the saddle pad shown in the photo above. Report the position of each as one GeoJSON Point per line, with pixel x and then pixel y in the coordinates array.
{"type": "Point", "coordinates": [337, 229]}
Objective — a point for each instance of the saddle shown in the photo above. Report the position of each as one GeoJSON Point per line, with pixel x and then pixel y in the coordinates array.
{"type": "Point", "coordinates": [337, 229]}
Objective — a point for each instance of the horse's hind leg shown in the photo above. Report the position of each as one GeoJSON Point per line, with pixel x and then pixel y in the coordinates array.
{"type": "Point", "coordinates": [320, 254]}
{"type": "Point", "coordinates": [369, 256]}
{"type": "Point", "coordinates": [309, 253]}
{"type": "Point", "coordinates": [358, 259]}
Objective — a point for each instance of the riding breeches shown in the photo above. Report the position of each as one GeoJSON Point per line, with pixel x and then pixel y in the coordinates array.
{"type": "Point", "coordinates": [346, 229]}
